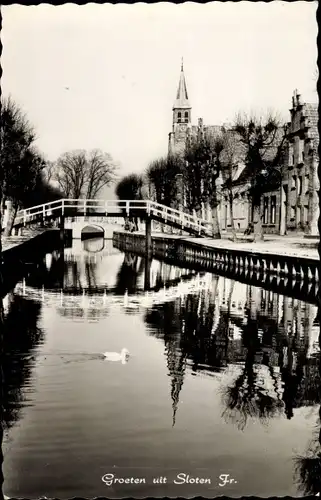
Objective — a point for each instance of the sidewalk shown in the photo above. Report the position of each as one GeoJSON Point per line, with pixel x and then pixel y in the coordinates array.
{"type": "Point", "coordinates": [12, 241]}
{"type": "Point", "coordinates": [296, 246]}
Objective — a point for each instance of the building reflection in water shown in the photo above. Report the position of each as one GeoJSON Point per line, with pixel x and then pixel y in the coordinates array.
{"type": "Point", "coordinates": [267, 344]}
{"type": "Point", "coordinates": [268, 341]}
{"type": "Point", "coordinates": [308, 466]}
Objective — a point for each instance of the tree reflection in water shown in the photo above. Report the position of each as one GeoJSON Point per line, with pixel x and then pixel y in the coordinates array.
{"type": "Point", "coordinates": [1, 390]}
{"type": "Point", "coordinates": [47, 272]}
{"type": "Point", "coordinates": [129, 273]}
{"type": "Point", "coordinates": [308, 467]}
{"type": "Point", "coordinates": [248, 396]}
{"type": "Point", "coordinates": [21, 335]}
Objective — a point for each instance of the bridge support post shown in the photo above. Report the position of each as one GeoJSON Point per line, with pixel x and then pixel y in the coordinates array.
{"type": "Point", "coordinates": [148, 237]}
{"type": "Point", "coordinates": [62, 230]}
{"type": "Point", "coordinates": [148, 262]}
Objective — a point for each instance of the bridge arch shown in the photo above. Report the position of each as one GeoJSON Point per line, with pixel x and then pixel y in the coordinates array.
{"type": "Point", "coordinates": [92, 231]}
{"type": "Point", "coordinates": [93, 245]}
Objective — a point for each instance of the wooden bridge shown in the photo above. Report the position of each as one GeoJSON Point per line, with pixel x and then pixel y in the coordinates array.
{"type": "Point", "coordinates": [144, 209]}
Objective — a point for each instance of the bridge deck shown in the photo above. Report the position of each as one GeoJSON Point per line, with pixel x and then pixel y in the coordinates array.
{"type": "Point", "coordinates": [143, 209]}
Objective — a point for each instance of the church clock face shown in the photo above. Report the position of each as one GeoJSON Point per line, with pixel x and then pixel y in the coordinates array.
{"type": "Point", "coordinates": [181, 127]}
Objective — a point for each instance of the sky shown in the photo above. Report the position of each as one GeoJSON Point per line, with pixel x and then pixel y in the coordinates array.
{"type": "Point", "coordinates": [106, 76]}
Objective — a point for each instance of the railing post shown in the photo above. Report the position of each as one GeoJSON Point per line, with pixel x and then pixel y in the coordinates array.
{"type": "Point", "coordinates": [165, 216]}
{"type": "Point", "coordinates": [106, 207]}
{"type": "Point", "coordinates": [127, 208]}
{"type": "Point", "coordinates": [44, 210]}
{"type": "Point", "coordinates": [24, 217]}
{"type": "Point", "coordinates": [62, 230]}
{"type": "Point", "coordinates": [85, 207]}
{"type": "Point", "coordinates": [63, 207]}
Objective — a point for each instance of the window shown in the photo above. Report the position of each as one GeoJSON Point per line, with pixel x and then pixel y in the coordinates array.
{"type": "Point", "coordinates": [291, 155]}
{"type": "Point", "coordinates": [179, 117]}
{"type": "Point", "coordinates": [186, 116]}
{"type": "Point", "coordinates": [265, 210]}
{"type": "Point", "coordinates": [302, 215]}
{"type": "Point", "coordinates": [300, 184]}
{"type": "Point", "coordinates": [273, 210]}
{"type": "Point", "coordinates": [293, 184]}
{"type": "Point", "coordinates": [301, 150]}
{"type": "Point", "coordinates": [293, 212]}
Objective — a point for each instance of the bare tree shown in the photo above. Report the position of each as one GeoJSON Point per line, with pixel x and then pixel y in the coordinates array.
{"type": "Point", "coordinates": [265, 143]}
{"type": "Point", "coordinates": [70, 173]}
{"type": "Point", "coordinates": [100, 172]}
{"type": "Point", "coordinates": [130, 188]}
{"type": "Point", "coordinates": [162, 177]}
{"type": "Point", "coordinates": [20, 163]}
{"type": "Point", "coordinates": [203, 158]}
{"type": "Point", "coordinates": [232, 155]}
{"type": "Point", "coordinates": [81, 173]}
{"type": "Point", "coordinates": [49, 172]}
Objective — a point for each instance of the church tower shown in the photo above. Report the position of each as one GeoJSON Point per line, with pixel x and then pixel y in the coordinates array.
{"type": "Point", "coordinates": [181, 117]}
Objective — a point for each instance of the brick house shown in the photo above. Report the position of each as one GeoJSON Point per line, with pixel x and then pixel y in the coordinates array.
{"type": "Point", "coordinates": [291, 205]}
{"type": "Point", "coordinates": [299, 204]}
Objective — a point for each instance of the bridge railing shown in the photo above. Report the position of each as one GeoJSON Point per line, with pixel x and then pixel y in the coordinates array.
{"type": "Point", "coordinates": [72, 207]}
{"type": "Point", "coordinates": [184, 219]}
{"type": "Point", "coordinates": [33, 213]}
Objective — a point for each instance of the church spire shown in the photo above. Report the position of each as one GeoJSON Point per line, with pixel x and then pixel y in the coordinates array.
{"type": "Point", "coordinates": [181, 101]}
{"type": "Point", "coordinates": [182, 117]}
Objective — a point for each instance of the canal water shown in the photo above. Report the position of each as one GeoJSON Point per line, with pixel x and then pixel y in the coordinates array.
{"type": "Point", "coordinates": [219, 394]}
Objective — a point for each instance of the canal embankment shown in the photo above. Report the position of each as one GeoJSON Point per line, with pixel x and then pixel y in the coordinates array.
{"type": "Point", "coordinates": [20, 253]}
{"type": "Point", "coordinates": [288, 265]}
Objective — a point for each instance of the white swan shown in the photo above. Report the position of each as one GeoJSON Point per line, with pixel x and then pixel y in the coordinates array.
{"type": "Point", "coordinates": [115, 356]}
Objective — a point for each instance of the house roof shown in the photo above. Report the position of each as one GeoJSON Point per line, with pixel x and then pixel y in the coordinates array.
{"type": "Point", "coordinates": [310, 111]}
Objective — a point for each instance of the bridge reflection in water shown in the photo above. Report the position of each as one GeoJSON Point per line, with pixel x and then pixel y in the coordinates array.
{"type": "Point", "coordinates": [269, 344]}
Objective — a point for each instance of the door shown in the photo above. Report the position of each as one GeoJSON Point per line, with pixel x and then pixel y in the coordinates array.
{"type": "Point", "coordinates": [283, 209]}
